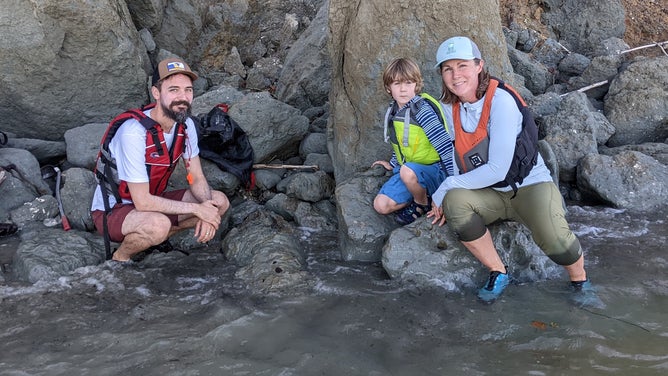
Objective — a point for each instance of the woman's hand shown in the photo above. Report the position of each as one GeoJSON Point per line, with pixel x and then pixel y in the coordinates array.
{"type": "Point", "coordinates": [437, 213]}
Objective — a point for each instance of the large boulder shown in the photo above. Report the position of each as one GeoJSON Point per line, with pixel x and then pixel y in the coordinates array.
{"type": "Point", "coordinates": [306, 74]}
{"type": "Point", "coordinates": [629, 180]}
{"type": "Point", "coordinates": [427, 255]}
{"type": "Point", "coordinates": [363, 41]}
{"type": "Point", "coordinates": [636, 102]}
{"type": "Point", "coordinates": [584, 24]}
{"type": "Point", "coordinates": [65, 63]}
{"type": "Point", "coordinates": [574, 131]}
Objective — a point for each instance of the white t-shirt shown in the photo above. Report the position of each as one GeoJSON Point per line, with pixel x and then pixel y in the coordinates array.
{"type": "Point", "coordinates": [128, 148]}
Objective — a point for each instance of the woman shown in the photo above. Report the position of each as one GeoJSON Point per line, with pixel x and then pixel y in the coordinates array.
{"type": "Point", "coordinates": [478, 194]}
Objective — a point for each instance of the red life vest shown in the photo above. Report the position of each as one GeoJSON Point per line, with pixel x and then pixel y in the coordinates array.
{"type": "Point", "coordinates": [160, 160]}
{"type": "Point", "coordinates": [472, 149]}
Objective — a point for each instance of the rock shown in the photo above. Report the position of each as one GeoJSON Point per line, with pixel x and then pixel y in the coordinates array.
{"type": "Point", "coordinates": [360, 49]}
{"type": "Point", "coordinates": [574, 132]}
{"type": "Point", "coordinates": [313, 143]}
{"type": "Point", "coordinates": [362, 231]}
{"type": "Point", "coordinates": [636, 102]}
{"type": "Point", "coordinates": [269, 258]}
{"type": "Point", "coordinates": [584, 24]}
{"type": "Point", "coordinates": [46, 254]}
{"type": "Point", "coordinates": [305, 77]}
{"type": "Point", "coordinates": [629, 180]}
{"type": "Point", "coordinates": [272, 126]}
{"type": "Point", "coordinates": [306, 186]}
{"type": "Point", "coordinates": [83, 144]}
{"type": "Point", "coordinates": [58, 58]}
{"type": "Point", "coordinates": [538, 78]}
{"type": "Point", "coordinates": [427, 255]}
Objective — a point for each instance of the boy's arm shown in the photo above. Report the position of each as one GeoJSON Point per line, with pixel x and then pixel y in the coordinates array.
{"type": "Point", "coordinates": [437, 135]}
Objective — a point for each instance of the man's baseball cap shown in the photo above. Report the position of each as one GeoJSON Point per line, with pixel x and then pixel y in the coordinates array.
{"type": "Point", "coordinates": [172, 66]}
{"type": "Point", "coordinates": [457, 48]}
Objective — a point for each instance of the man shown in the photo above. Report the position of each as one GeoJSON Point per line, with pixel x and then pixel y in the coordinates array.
{"type": "Point", "coordinates": [146, 215]}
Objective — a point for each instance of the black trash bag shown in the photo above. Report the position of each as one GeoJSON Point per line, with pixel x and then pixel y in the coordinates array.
{"type": "Point", "coordinates": [222, 141]}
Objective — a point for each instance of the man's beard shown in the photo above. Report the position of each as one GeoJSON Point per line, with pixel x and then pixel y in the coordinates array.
{"type": "Point", "coordinates": [178, 116]}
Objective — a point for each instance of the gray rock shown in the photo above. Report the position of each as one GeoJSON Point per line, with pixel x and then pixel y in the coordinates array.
{"type": "Point", "coordinates": [307, 186]}
{"type": "Point", "coordinates": [77, 194]}
{"type": "Point", "coordinates": [44, 151]}
{"type": "Point", "coordinates": [636, 102]}
{"type": "Point", "coordinates": [573, 64]}
{"type": "Point", "coordinates": [362, 231]}
{"type": "Point", "coordinates": [266, 249]}
{"type": "Point", "coordinates": [601, 68]}
{"type": "Point", "coordinates": [313, 143]}
{"type": "Point", "coordinates": [629, 180]}
{"type": "Point", "coordinates": [264, 74]}
{"type": "Point", "coordinates": [656, 150]}
{"type": "Point", "coordinates": [273, 127]}
{"type": "Point", "coordinates": [574, 132]}
{"type": "Point", "coordinates": [220, 94]}
{"type": "Point", "coordinates": [323, 161]}
{"type": "Point", "coordinates": [537, 76]}
{"type": "Point", "coordinates": [283, 205]}
{"type": "Point", "coordinates": [146, 13]}
{"type": "Point", "coordinates": [306, 75]}
{"type": "Point", "coordinates": [427, 255]}
{"type": "Point", "coordinates": [58, 59]}
{"type": "Point", "coordinates": [46, 254]}
{"type": "Point", "coordinates": [38, 210]}
{"type": "Point", "coordinates": [233, 64]}
{"type": "Point", "coordinates": [318, 216]}
{"type": "Point", "coordinates": [267, 179]}
{"type": "Point", "coordinates": [549, 53]}
{"type": "Point", "coordinates": [584, 24]}
{"type": "Point", "coordinates": [83, 144]}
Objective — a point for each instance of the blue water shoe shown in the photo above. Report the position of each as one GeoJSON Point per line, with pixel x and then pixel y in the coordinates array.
{"type": "Point", "coordinates": [585, 296]}
{"type": "Point", "coordinates": [495, 285]}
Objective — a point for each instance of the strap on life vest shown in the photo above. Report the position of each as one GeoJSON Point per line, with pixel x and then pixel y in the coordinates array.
{"type": "Point", "coordinates": [468, 140]}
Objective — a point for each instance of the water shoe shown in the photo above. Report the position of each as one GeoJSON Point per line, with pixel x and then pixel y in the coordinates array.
{"type": "Point", "coordinates": [495, 285]}
{"type": "Point", "coordinates": [584, 295]}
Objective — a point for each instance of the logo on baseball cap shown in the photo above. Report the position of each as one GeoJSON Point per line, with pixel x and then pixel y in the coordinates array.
{"type": "Point", "coordinates": [172, 66]}
{"type": "Point", "coordinates": [457, 48]}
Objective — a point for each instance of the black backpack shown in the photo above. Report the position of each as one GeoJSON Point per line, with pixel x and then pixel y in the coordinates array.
{"type": "Point", "coordinates": [526, 144]}
{"type": "Point", "coordinates": [222, 141]}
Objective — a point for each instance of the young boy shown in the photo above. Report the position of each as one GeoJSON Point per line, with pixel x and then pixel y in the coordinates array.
{"type": "Point", "coordinates": [422, 148]}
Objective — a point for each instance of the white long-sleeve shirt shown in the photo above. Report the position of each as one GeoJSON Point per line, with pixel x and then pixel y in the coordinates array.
{"type": "Point", "coordinates": [505, 123]}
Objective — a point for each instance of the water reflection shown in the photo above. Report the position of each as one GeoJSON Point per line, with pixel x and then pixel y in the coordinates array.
{"type": "Point", "coordinates": [177, 315]}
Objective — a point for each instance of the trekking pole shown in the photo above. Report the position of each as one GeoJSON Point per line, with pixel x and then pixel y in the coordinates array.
{"type": "Point", "coordinates": [66, 223]}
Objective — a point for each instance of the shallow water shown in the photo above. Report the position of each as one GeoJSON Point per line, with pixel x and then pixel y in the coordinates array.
{"type": "Point", "coordinates": [178, 315]}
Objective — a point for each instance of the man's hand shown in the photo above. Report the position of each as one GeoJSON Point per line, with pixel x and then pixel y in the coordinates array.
{"type": "Point", "coordinates": [208, 212]}
{"type": "Point", "coordinates": [204, 231]}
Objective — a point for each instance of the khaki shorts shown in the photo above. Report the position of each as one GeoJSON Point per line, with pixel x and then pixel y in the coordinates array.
{"type": "Point", "coordinates": [539, 207]}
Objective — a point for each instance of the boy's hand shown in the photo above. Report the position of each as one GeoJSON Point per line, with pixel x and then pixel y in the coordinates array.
{"type": "Point", "coordinates": [385, 164]}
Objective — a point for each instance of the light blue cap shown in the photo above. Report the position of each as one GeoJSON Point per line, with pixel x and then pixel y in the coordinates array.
{"type": "Point", "coordinates": [457, 48]}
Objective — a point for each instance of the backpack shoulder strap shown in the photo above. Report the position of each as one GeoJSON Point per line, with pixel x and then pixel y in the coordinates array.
{"type": "Point", "coordinates": [438, 108]}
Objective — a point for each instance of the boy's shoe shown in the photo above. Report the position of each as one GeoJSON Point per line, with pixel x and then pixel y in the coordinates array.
{"type": "Point", "coordinates": [495, 285]}
{"type": "Point", "coordinates": [412, 212]}
{"type": "Point", "coordinates": [584, 295]}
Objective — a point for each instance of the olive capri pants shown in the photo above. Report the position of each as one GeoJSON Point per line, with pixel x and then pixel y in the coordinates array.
{"type": "Point", "coordinates": [539, 207]}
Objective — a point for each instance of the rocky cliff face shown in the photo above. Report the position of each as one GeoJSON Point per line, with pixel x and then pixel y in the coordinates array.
{"type": "Point", "coordinates": [365, 35]}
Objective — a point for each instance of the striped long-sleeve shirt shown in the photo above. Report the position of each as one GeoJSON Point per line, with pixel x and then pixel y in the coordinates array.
{"type": "Point", "coordinates": [436, 133]}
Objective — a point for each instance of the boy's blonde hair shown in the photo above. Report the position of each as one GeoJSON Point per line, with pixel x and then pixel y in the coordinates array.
{"type": "Point", "coordinates": [403, 69]}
